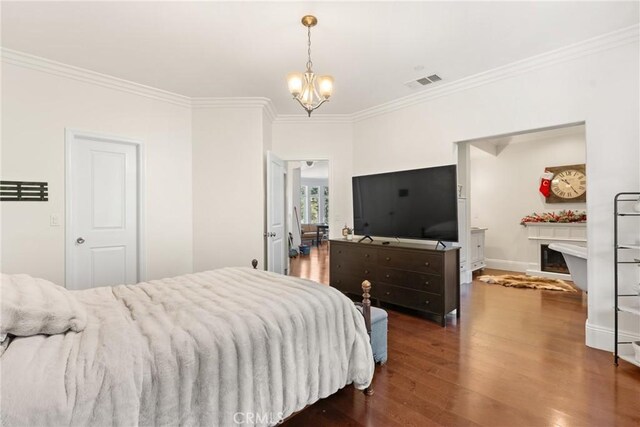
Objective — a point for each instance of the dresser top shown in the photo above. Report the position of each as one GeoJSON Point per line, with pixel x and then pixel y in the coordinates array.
{"type": "Point", "coordinates": [392, 244]}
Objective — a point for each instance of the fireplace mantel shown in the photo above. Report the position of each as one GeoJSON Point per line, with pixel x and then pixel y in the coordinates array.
{"type": "Point", "coordinates": [557, 231]}
{"type": "Point", "coordinates": [544, 233]}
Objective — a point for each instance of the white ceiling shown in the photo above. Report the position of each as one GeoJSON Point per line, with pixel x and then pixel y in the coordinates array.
{"type": "Point", "coordinates": [495, 145]}
{"type": "Point", "coordinates": [319, 169]}
{"type": "Point", "coordinates": [228, 49]}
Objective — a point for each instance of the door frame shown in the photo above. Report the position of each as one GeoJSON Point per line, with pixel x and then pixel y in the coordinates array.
{"type": "Point", "coordinates": [70, 136]}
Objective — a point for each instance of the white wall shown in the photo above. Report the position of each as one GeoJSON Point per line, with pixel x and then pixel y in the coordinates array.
{"type": "Point", "coordinates": [37, 106]}
{"type": "Point", "coordinates": [228, 186]}
{"type": "Point", "coordinates": [600, 88]}
{"type": "Point", "coordinates": [314, 182]}
{"type": "Point", "coordinates": [310, 140]}
{"type": "Point", "coordinates": [293, 201]}
{"type": "Point", "coordinates": [504, 188]}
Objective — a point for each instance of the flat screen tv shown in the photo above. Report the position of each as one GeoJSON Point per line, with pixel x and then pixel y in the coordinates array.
{"type": "Point", "coordinates": [413, 204]}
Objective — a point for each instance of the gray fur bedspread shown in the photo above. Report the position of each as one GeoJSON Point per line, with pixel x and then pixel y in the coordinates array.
{"type": "Point", "coordinates": [197, 349]}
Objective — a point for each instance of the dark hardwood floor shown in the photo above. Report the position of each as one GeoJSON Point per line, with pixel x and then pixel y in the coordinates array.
{"type": "Point", "coordinates": [515, 358]}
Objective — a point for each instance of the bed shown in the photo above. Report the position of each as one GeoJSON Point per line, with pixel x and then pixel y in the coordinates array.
{"type": "Point", "coordinates": [234, 346]}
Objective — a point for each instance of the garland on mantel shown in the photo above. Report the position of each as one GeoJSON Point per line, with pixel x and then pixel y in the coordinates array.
{"type": "Point", "coordinates": [561, 217]}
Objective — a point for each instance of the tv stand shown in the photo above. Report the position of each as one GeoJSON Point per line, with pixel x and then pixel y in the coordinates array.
{"type": "Point", "coordinates": [410, 275]}
{"type": "Point", "coordinates": [365, 237]}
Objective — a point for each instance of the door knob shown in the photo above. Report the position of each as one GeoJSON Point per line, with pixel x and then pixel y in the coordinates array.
{"type": "Point", "coordinates": [79, 240]}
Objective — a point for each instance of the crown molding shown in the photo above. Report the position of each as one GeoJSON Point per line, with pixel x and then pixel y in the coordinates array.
{"type": "Point", "coordinates": [319, 118]}
{"type": "Point", "coordinates": [587, 47]}
{"type": "Point", "coordinates": [33, 62]}
{"type": "Point", "coordinates": [231, 102]}
{"type": "Point", "coordinates": [237, 102]}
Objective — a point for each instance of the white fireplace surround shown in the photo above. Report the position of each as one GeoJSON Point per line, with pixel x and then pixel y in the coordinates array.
{"type": "Point", "coordinates": [544, 233]}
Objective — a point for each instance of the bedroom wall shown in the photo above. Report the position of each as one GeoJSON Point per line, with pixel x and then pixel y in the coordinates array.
{"type": "Point", "coordinates": [228, 186]}
{"type": "Point", "coordinates": [293, 200]}
{"type": "Point", "coordinates": [37, 106]}
{"type": "Point", "coordinates": [310, 140]}
{"type": "Point", "coordinates": [504, 188]}
{"type": "Point", "coordinates": [598, 86]}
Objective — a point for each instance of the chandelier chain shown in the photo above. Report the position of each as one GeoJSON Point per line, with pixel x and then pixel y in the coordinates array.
{"type": "Point", "coordinates": [309, 63]}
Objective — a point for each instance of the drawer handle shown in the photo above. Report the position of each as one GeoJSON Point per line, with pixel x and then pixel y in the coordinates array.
{"type": "Point", "coordinates": [427, 263]}
{"type": "Point", "coordinates": [388, 259]}
{"type": "Point", "coordinates": [366, 272]}
{"type": "Point", "coordinates": [387, 293]}
{"type": "Point", "coordinates": [366, 255]}
{"type": "Point", "coordinates": [387, 276]}
{"type": "Point", "coordinates": [339, 266]}
{"type": "Point", "coordinates": [426, 283]}
{"type": "Point", "coordinates": [427, 302]}
{"type": "Point", "coordinates": [340, 252]}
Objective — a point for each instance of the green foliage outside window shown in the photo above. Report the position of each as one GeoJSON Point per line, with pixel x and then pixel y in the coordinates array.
{"type": "Point", "coordinates": [303, 203]}
{"type": "Point", "coordinates": [314, 205]}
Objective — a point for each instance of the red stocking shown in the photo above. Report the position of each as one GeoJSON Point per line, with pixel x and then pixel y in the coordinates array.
{"type": "Point", "coordinates": [545, 183]}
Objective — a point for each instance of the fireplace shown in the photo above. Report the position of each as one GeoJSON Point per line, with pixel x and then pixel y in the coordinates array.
{"type": "Point", "coordinates": [544, 261]}
{"type": "Point", "coordinates": [552, 261]}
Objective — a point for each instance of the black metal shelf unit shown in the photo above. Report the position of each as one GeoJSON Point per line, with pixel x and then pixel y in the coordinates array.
{"type": "Point", "coordinates": [628, 303]}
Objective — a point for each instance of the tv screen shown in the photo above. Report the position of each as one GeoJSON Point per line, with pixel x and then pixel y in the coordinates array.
{"type": "Point", "coordinates": [414, 204]}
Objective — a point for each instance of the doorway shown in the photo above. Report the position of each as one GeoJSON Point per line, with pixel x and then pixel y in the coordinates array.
{"type": "Point", "coordinates": [103, 221]}
{"type": "Point", "coordinates": [500, 185]}
{"type": "Point", "coordinates": [308, 217]}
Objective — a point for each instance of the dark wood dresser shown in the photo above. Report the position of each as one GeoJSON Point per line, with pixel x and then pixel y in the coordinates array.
{"type": "Point", "coordinates": [414, 276]}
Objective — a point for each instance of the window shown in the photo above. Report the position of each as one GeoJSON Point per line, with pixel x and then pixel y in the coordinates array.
{"type": "Point", "coordinates": [303, 203]}
{"type": "Point", "coordinates": [314, 204]}
{"type": "Point", "coordinates": [326, 204]}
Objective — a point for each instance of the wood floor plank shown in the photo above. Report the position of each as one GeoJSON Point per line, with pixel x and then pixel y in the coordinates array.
{"type": "Point", "coordinates": [515, 357]}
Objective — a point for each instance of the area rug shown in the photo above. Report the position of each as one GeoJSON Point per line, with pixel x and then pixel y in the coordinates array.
{"type": "Point", "coordinates": [532, 282]}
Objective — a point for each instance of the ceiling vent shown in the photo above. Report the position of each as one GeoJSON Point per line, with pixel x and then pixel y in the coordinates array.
{"type": "Point", "coordinates": [423, 81]}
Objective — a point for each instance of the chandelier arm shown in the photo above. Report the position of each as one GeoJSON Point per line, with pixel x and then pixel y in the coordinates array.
{"type": "Point", "coordinates": [321, 102]}
{"type": "Point", "coordinates": [303, 105]}
{"type": "Point", "coordinates": [315, 92]}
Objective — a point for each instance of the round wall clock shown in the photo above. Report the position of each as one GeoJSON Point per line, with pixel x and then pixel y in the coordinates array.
{"type": "Point", "coordinates": [568, 185]}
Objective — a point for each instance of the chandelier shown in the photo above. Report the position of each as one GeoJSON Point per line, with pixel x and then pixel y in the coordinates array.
{"type": "Point", "coordinates": [310, 91]}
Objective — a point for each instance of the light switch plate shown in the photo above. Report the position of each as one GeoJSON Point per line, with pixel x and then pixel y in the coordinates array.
{"type": "Point", "coordinates": [54, 220]}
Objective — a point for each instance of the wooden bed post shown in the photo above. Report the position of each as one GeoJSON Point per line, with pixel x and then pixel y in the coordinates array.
{"type": "Point", "coordinates": [366, 312]}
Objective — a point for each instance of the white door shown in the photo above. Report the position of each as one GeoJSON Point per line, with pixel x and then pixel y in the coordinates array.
{"type": "Point", "coordinates": [102, 211]}
{"type": "Point", "coordinates": [276, 240]}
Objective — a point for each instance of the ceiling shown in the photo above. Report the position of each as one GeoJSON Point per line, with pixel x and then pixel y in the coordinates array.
{"type": "Point", "coordinates": [495, 145]}
{"type": "Point", "coordinates": [245, 49]}
{"type": "Point", "coordinates": [318, 170]}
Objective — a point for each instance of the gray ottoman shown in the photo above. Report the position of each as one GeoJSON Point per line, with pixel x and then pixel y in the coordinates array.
{"type": "Point", "coordinates": [379, 323]}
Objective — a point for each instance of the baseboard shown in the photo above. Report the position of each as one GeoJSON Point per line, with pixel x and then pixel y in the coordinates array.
{"type": "Point", "coordinates": [504, 264]}
{"type": "Point", "coordinates": [602, 338]}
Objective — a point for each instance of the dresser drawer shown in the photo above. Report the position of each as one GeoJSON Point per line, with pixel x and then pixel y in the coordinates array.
{"type": "Point", "coordinates": [414, 261]}
{"type": "Point", "coordinates": [346, 283]}
{"type": "Point", "coordinates": [346, 266]}
{"type": "Point", "coordinates": [409, 298]}
{"type": "Point", "coordinates": [361, 255]}
{"type": "Point", "coordinates": [410, 279]}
